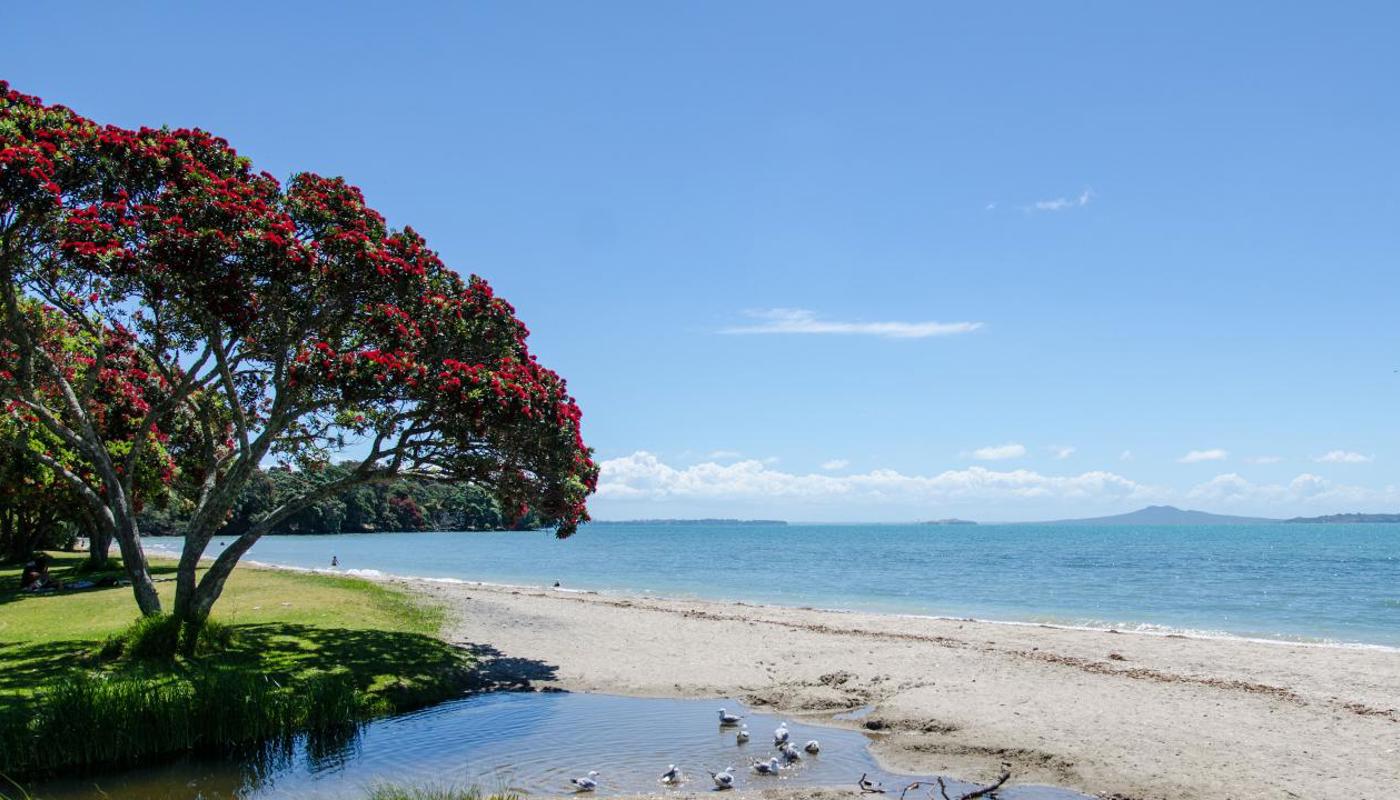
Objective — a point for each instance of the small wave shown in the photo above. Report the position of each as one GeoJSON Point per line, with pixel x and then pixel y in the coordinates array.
{"type": "Point", "coordinates": [366, 573]}
{"type": "Point", "coordinates": [1152, 629]}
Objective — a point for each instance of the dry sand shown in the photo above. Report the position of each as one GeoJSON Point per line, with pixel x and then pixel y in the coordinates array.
{"type": "Point", "coordinates": [1125, 715]}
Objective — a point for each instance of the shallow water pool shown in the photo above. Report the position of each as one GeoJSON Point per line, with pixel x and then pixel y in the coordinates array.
{"type": "Point", "coordinates": [529, 742]}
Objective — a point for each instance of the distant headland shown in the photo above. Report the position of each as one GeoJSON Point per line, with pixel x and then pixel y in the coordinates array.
{"type": "Point", "coordinates": [693, 521]}
{"type": "Point", "coordinates": [949, 521]}
{"type": "Point", "coordinates": [1345, 518]}
{"type": "Point", "coordinates": [1163, 515]}
{"type": "Point", "coordinates": [1171, 515]}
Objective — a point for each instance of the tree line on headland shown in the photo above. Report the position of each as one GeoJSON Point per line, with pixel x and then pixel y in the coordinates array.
{"type": "Point", "coordinates": [31, 523]}
{"type": "Point", "coordinates": [405, 504]}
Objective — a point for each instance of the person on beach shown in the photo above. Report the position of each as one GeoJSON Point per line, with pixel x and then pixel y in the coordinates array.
{"type": "Point", "coordinates": [335, 562]}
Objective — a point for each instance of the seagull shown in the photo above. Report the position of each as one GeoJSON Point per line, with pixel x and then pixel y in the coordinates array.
{"type": "Point", "coordinates": [726, 718]}
{"type": "Point", "coordinates": [780, 736]}
{"type": "Point", "coordinates": [743, 735]}
{"type": "Point", "coordinates": [790, 753]}
{"type": "Point", "coordinates": [867, 785]}
{"type": "Point", "coordinates": [723, 780]}
{"type": "Point", "coordinates": [587, 783]}
{"type": "Point", "coordinates": [813, 747]}
{"type": "Point", "coordinates": [769, 767]}
{"type": "Point", "coordinates": [671, 775]}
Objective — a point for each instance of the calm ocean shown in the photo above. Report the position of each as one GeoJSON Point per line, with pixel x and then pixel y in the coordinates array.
{"type": "Point", "coordinates": [1316, 583]}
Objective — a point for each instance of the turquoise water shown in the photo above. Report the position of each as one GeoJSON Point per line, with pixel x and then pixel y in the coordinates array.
{"type": "Point", "coordinates": [530, 742]}
{"type": "Point", "coordinates": [1323, 583]}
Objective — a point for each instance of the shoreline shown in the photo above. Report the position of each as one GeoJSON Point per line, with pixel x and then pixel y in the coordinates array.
{"type": "Point", "coordinates": [1098, 711]}
{"type": "Point", "coordinates": [1128, 628]}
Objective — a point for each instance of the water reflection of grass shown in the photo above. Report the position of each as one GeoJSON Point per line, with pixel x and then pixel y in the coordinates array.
{"type": "Point", "coordinates": [396, 792]}
{"type": "Point", "coordinates": [305, 652]}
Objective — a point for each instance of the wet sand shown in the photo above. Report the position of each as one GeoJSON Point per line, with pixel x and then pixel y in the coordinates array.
{"type": "Point", "coordinates": [1126, 715]}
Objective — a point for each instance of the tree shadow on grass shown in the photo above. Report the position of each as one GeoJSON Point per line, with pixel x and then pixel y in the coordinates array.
{"type": "Point", "coordinates": [407, 669]}
{"type": "Point", "coordinates": [68, 568]}
{"type": "Point", "coordinates": [27, 666]}
{"type": "Point", "coordinates": [410, 670]}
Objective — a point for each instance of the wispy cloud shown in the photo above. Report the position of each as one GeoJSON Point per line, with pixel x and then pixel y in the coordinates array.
{"type": "Point", "coordinates": [1063, 203]}
{"type": "Point", "coordinates": [724, 454]}
{"type": "Point", "coordinates": [1126, 455]}
{"type": "Point", "coordinates": [999, 452]}
{"type": "Point", "coordinates": [800, 320]}
{"type": "Point", "coordinates": [1197, 456]}
{"type": "Point", "coordinates": [1343, 457]}
{"type": "Point", "coordinates": [835, 463]}
{"type": "Point", "coordinates": [1062, 451]}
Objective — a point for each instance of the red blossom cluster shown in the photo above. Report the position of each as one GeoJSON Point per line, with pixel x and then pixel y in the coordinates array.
{"type": "Point", "coordinates": [327, 315]}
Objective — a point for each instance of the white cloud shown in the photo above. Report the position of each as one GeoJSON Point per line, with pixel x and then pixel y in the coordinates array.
{"type": "Point", "coordinates": [1305, 490]}
{"type": "Point", "coordinates": [643, 476]}
{"type": "Point", "coordinates": [835, 463]}
{"type": "Point", "coordinates": [1062, 451]}
{"type": "Point", "coordinates": [799, 320]}
{"type": "Point", "coordinates": [1263, 460]}
{"type": "Point", "coordinates": [999, 452]}
{"type": "Point", "coordinates": [1342, 457]}
{"type": "Point", "coordinates": [1063, 203]}
{"type": "Point", "coordinates": [1197, 456]}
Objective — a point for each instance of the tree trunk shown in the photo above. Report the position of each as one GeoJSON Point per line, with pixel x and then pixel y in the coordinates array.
{"type": "Point", "coordinates": [128, 538]}
{"type": "Point", "coordinates": [186, 575]}
{"type": "Point", "coordinates": [99, 546]}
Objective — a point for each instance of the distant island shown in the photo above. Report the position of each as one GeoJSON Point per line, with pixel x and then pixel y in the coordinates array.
{"type": "Point", "coordinates": [949, 521]}
{"type": "Point", "coordinates": [693, 521]}
{"type": "Point", "coordinates": [1163, 515]}
{"type": "Point", "coordinates": [1349, 518]}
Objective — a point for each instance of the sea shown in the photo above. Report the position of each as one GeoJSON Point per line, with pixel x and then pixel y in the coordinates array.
{"type": "Point", "coordinates": [1326, 584]}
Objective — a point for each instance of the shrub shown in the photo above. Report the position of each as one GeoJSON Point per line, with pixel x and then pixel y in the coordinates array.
{"type": "Point", "coordinates": [152, 638]}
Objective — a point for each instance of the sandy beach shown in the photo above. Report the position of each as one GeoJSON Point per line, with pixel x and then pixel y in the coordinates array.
{"type": "Point", "coordinates": [1125, 715]}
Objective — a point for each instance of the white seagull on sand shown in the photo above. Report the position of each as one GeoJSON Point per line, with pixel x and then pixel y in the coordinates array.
{"type": "Point", "coordinates": [587, 783]}
{"type": "Point", "coordinates": [671, 775]}
{"type": "Point", "coordinates": [780, 736]}
{"type": "Point", "coordinates": [726, 718]}
{"type": "Point", "coordinates": [769, 767]}
{"type": "Point", "coordinates": [813, 747]}
{"type": "Point", "coordinates": [723, 780]}
{"type": "Point", "coordinates": [743, 735]}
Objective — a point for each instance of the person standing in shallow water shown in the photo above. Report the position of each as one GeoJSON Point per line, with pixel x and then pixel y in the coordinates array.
{"type": "Point", "coordinates": [335, 562]}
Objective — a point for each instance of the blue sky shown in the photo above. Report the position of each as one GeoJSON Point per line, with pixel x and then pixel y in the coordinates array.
{"type": "Point", "coordinates": [1144, 231]}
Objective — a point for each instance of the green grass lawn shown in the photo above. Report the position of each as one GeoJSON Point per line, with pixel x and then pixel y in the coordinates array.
{"type": "Point", "coordinates": [289, 630]}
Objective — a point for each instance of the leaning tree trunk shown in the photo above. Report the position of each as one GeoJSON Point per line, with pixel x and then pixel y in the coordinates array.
{"type": "Point", "coordinates": [120, 524]}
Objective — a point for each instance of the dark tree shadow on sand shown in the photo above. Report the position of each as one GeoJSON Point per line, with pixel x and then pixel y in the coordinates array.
{"type": "Point", "coordinates": [494, 671]}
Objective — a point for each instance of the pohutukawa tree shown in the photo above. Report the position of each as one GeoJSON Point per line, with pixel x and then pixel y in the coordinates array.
{"type": "Point", "coordinates": [255, 322]}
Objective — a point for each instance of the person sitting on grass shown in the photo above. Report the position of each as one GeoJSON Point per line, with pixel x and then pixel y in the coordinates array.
{"type": "Point", "coordinates": [36, 578]}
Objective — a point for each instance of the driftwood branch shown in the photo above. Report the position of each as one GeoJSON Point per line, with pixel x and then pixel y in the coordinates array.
{"type": "Point", "coordinates": [980, 791]}
{"type": "Point", "coordinates": [869, 786]}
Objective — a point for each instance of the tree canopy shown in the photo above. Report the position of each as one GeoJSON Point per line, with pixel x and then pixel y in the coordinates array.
{"type": "Point", "coordinates": [244, 321]}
